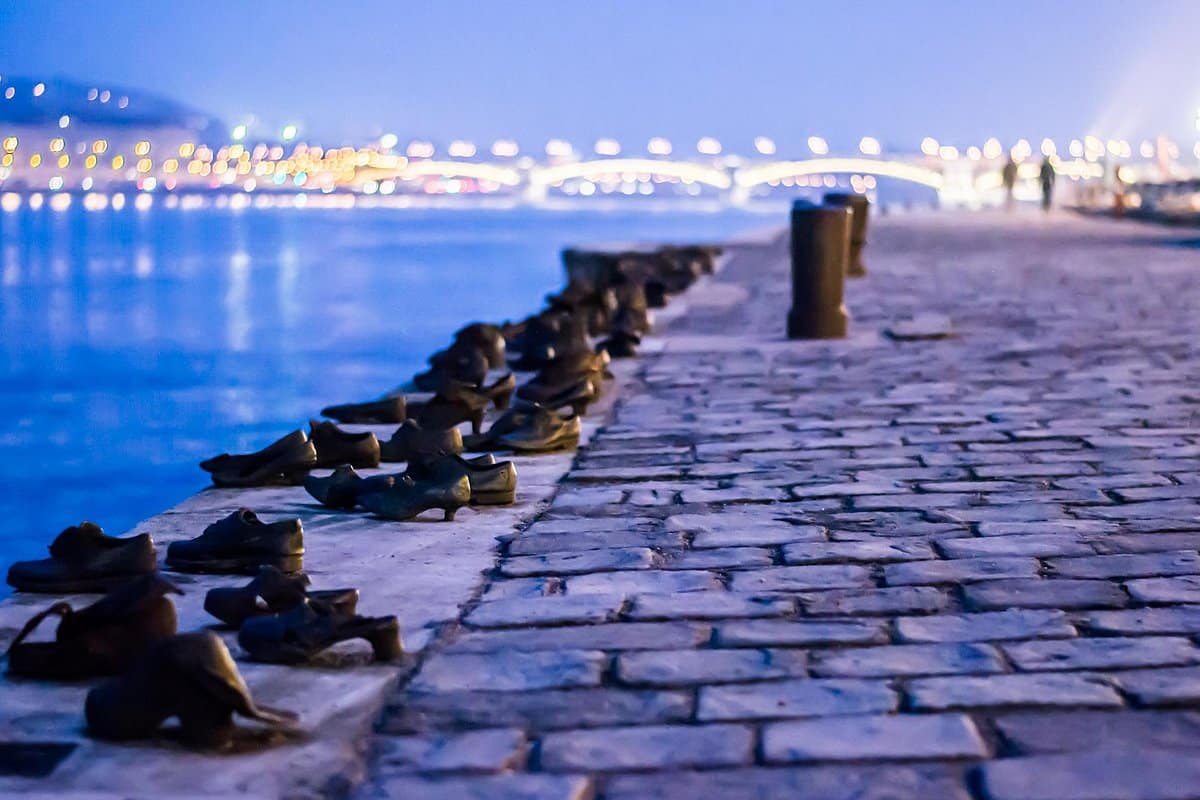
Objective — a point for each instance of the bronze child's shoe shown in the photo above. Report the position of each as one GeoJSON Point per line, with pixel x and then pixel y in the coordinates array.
{"type": "Point", "coordinates": [85, 559]}
{"type": "Point", "coordinates": [273, 592]}
{"type": "Point", "coordinates": [101, 639]}
{"type": "Point", "coordinates": [408, 498]}
{"type": "Point", "coordinates": [298, 635]}
{"type": "Point", "coordinates": [192, 677]}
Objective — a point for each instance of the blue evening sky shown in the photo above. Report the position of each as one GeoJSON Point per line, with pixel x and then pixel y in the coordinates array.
{"type": "Point", "coordinates": [960, 71]}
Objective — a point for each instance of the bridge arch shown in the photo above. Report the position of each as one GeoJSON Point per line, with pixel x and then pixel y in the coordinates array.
{"type": "Point", "coordinates": [749, 177]}
{"type": "Point", "coordinates": [541, 177]}
{"type": "Point", "coordinates": [413, 170]}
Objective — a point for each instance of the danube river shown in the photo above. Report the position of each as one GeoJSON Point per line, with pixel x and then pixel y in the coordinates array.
{"type": "Point", "coordinates": [135, 343]}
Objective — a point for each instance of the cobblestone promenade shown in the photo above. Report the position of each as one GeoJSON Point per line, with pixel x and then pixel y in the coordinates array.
{"type": "Point", "coordinates": [934, 569]}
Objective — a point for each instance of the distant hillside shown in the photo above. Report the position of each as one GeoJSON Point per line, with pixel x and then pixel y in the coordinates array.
{"type": "Point", "coordinates": [99, 104]}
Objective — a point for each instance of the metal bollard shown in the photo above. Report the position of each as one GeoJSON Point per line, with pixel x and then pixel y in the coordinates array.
{"type": "Point", "coordinates": [820, 248]}
{"type": "Point", "coordinates": [861, 206]}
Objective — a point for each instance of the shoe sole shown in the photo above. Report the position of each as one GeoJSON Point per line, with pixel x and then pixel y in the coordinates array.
{"type": "Point", "coordinates": [100, 584]}
{"type": "Point", "coordinates": [494, 498]}
{"type": "Point", "coordinates": [247, 565]}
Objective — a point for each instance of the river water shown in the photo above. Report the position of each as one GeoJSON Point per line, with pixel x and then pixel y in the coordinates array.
{"type": "Point", "coordinates": [135, 343]}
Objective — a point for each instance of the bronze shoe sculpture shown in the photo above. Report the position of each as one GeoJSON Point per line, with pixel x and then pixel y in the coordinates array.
{"type": "Point", "coordinates": [335, 446]}
{"type": "Point", "coordinates": [408, 497]}
{"type": "Point", "coordinates": [296, 636]}
{"type": "Point", "coordinates": [342, 487]}
{"type": "Point", "coordinates": [240, 544]}
{"type": "Point", "coordinates": [411, 440]}
{"type": "Point", "coordinates": [190, 676]}
{"type": "Point", "coordinates": [492, 483]}
{"type": "Point", "coordinates": [85, 559]}
{"type": "Point", "coordinates": [101, 639]}
{"type": "Point", "coordinates": [386, 411]}
{"type": "Point", "coordinates": [541, 430]}
{"type": "Point", "coordinates": [273, 592]}
{"type": "Point", "coordinates": [279, 462]}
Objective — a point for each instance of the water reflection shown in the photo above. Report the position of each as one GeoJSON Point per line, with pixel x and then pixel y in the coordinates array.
{"type": "Point", "coordinates": [133, 344]}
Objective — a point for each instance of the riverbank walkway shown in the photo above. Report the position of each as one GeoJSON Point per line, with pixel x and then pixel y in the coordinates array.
{"type": "Point", "coordinates": [955, 556]}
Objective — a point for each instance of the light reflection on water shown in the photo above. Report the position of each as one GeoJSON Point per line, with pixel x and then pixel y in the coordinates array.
{"type": "Point", "coordinates": [133, 344]}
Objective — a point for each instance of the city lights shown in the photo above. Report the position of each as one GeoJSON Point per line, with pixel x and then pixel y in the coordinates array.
{"type": "Point", "coordinates": [708, 146]}
{"type": "Point", "coordinates": [869, 146]}
{"type": "Point", "coordinates": [289, 132]}
{"type": "Point", "coordinates": [238, 132]}
{"type": "Point", "coordinates": [607, 147]}
{"type": "Point", "coordinates": [764, 145]}
{"type": "Point", "coordinates": [818, 146]}
{"type": "Point", "coordinates": [658, 146]}
{"type": "Point", "coordinates": [505, 148]}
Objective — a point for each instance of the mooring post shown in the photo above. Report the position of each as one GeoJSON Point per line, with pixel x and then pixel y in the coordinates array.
{"type": "Point", "coordinates": [860, 206]}
{"type": "Point", "coordinates": [820, 249]}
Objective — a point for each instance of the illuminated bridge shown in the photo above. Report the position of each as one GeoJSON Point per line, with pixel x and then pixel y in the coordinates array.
{"type": "Point", "coordinates": [77, 158]}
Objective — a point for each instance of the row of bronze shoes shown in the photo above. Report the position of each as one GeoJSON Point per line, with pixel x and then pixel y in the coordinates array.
{"type": "Point", "coordinates": [130, 637]}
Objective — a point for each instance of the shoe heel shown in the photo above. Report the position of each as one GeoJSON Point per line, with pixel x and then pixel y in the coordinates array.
{"type": "Point", "coordinates": [450, 511]}
{"type": "Point", "coordinates": [287, 564]}
{"type": "Point", "coordinates": [477, 422]}
{"type": "Point", "coordinates": [385, 640]}
{"type": "Point", "coordinates": [502, 401]}
{"type": "Point", "coordinates": [579, 408]}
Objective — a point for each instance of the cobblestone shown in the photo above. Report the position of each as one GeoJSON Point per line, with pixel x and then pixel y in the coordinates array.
{"type": "Point", "coordinates": [829, 554]}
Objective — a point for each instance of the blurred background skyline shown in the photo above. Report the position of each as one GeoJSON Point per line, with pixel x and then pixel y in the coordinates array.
{"type": "Point", "coordinates": [900, 71]}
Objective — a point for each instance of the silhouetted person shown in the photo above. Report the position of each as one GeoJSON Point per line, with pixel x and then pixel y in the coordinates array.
{"type": "Point", "coordinates": [1009, 176]}
{"type": "Point", "coordinates": [1046, 177]}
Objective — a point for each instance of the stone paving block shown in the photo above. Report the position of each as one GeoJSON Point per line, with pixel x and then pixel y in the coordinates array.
{"type": "Point", "coordinates": [859, 738]}
{"type": "Point", "coordinates": [524, 544]}
{"type": "Point", "coordinates": [510, 671]}
{"type": "Point", "coordinates": [1182, 589]}
{"type": "Point", "coordinates": [578, 563]}
{"type": "Point", "coordinates": [1070, 690]}
{"type": "Point", "coordinates": [907, 659]}
{"type": "Point", "coordinates": [507, 589]}
{"type": "Point", "coordinates": [963, 570]}
{"type": "Point", "coordinates": [1127, 566]}
{"type": "Point", "coordinates": [1078, 731]}
{"type": "Point", "coordinates": [539, 710]}
{"type": "Point", "coordinates": [848, 489]}
{"type": "Point", "coordinates": [740, 526]}
{"type": "Point", "coordinates": [996, 625]}
{"type": "Point", "coordinates": [719, 558]}
{"type": "Point", "coordinates": [572, 525]}
{"type": "Point", "coordinates": [701, 667]}
{"type": "Point", "coordinates": [615, 636]}
{"type": "Point", "coordinates": [1109, 652]}
{"type": "Point", "coordinates": [795, 698]}
{"type": "Point", "coordinates": [888, 600]}
{"type": "Point", "coordinates": [734, 494]}
{"type": "Point", "coordinates": [1064, 527]}
{"type": "Point", "coordinates": [1135, 774]}
{"type": "Point", "coordinates": [1177, 619]}
{"type": "Point", "coordinates": [708, 605]}
{"type": "Point", "coordinates": [553, 610]}
{"type": "Point", "coordinates": [869, 552]}
{"type": "Point", "coordinates": [519, 786]}
{"type": "Point", "coordinates": [795, 579]}
{"type": "Point", "coordinates": [1044, 593]}
{"type": "Point", "coordinates": [1046, 544]}
{"type": "Point", "coordinates": [799, 632]}
{"type": "Point", "coordinates": [468, 751]}
{"type": "Point", "coordinates": [1167, 686]}
{"type": "Point", "coordinates": [584, 497]}
{"type": "Point", "coordinates": [858, 782]}
{"type": "Point", "coordinates": [1146, 543]}
{"type": "Point", "coordinates": [648, 747]}
{"type": "Point", "coordinates": [643, 582]}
